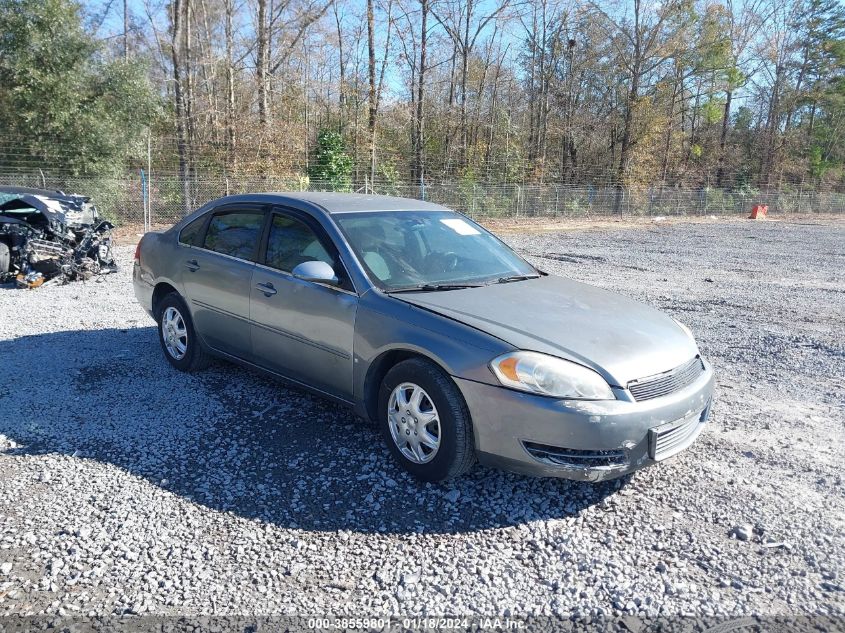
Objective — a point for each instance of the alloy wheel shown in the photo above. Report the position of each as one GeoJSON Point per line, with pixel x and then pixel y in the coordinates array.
{"type": "Point", "coordinates": [174, 333]}
{"type": "Point", "coordinates": [414, 423]}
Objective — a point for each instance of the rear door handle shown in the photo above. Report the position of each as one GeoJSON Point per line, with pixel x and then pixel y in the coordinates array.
{"type": "Point", "coordinates": [193, 265]}
{"type": "Point", "coordinates": [267, 289]}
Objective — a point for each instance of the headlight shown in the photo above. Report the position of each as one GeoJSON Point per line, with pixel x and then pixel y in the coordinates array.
{"type": "Point", "coordinates": [550, 376]}
{"type": "Point", "coordinates": [684, 328]}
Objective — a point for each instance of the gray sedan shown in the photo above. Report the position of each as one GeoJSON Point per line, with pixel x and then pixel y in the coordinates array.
{"type": "Point", "coordinates": [424, 322]}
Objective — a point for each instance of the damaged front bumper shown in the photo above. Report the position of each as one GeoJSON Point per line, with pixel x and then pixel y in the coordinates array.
{"type": "Point", "coordinates": [583, 440]}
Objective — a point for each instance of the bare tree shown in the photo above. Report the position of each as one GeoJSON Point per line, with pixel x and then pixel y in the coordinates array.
{"type": "Point", "coordinates": [176, 39]}
{"type": "Point", "coordinates": [419, 127]}
{"type": "Point", "coordinates": [781, 45]}
{"type": "Point", "coordinates": [261, 63]}
{"type": "Point", "coordinates": [230, 83]}
{"type": "Point", "coordinates": [464, 25]}
{"type": "Point", "coordinates": [371, 75]}
{"type": "Point", "coordinates": [375, 87]}
{"type": "Point", "coordinates": [644, 39]}
{"type": "Point", "coordinates": [745, 21]}
{"type": "Point", "coordinates": [341, 90]}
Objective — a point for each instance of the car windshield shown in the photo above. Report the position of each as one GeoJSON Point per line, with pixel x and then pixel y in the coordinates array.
{"type": "Point", "coordinates": [429, 250]}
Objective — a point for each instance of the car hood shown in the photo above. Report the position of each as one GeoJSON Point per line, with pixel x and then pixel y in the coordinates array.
{"type": "Point", "coordinates": [620, 338]}
{"type": "Point", "coordinates": [59, 210]}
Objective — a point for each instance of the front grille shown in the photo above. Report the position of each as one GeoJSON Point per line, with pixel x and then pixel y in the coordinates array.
{"type": "Point", "coordinates": [665, 441]}
{"type": "Point", "coordinates": [667, 382]}
{"type": "Point", "coordinates": [573, 458]}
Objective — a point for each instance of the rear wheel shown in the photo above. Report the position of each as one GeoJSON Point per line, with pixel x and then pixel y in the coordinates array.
{"type": "Point", "coordinates": [177, 336]}
{"type": "Point", "coordinates": [425, 421]}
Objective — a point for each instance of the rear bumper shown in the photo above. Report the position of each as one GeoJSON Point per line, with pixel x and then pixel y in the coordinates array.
{"type": "Point", "coordinates": [143, 289]}
{"type": "Point", "coordinates": [588, 441]}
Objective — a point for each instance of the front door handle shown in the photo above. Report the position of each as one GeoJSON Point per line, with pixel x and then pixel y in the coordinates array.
{"type": "Point", "coordinates": [267, 289]}
{"type": "Point", "coordinates": [193, 265]}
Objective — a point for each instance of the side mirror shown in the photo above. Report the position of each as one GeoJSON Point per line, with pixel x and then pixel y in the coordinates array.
{"type": "Point", "coordinates": [316, 271]}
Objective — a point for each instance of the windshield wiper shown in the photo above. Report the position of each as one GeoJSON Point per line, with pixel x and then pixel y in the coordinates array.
{"type": "Point", "coordinates": [434, 288]}
{"type": "Point", "coordinates": [510, 278]}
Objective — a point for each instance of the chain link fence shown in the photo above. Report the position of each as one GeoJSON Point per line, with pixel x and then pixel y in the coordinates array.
{"type": "Point", "coordinates": [123, 200]}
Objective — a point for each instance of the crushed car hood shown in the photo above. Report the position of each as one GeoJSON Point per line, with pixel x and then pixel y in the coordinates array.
{"type": "Point", "coordinates": [72, 210]}
{"type": "Point", "coordinates": [27, 205]}
{"type": "Point", "coordinates": [620, 338]}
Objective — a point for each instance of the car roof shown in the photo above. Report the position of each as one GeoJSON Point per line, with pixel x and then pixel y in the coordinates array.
{"type": "Point", "coordinates": [339, 202]}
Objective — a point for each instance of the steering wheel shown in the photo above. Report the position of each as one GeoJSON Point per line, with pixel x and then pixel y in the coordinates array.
{"type": "Point", "coordinates": [396, 265]}
{"type": "Point", "coordinates": [441, 262]}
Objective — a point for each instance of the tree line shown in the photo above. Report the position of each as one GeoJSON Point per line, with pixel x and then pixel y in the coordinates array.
{"type": "Point", "coordinates": [671, 93]}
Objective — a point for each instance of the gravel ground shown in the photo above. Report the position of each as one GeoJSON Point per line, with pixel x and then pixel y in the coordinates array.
{"type": "Point", "coordinates": [127, 487]}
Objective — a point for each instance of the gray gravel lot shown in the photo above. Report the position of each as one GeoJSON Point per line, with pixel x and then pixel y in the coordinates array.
{"type": "Point", "coordinates": [127, 487]}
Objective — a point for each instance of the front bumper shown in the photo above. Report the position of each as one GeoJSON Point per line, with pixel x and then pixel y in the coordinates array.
{"type": "Point", "coordinates": [598, 440]}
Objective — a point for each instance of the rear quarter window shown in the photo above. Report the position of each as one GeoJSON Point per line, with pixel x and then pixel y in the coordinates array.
{"type": "Point", "coordinates": [190, 233]}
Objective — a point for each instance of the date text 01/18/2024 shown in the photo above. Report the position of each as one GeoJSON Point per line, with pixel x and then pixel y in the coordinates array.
{"type": "Point", "coordinates": [415, 623]}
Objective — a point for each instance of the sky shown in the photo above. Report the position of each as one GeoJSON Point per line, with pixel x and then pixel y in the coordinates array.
{"type": "Point", "coordinates": [113, 9]}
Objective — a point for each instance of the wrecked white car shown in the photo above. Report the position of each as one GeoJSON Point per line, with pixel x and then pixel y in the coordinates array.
{"type": "Point", "coordinates": [51, 236]}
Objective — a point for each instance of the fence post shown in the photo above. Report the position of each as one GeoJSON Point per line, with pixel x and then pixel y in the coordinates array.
{"type": "Point", "coordinates": [144, 201]}
{"type": "Point", "coordinates": [149, 177]}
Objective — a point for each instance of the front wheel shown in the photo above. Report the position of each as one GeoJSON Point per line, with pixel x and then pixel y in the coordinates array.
{"type": "Point", "coordinates": [425, 421]}
{"type": "Point", "coordinates": [177, 336]}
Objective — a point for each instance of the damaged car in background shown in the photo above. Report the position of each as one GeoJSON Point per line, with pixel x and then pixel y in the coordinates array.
{"type": "Point", "coordinates": [51, 236]}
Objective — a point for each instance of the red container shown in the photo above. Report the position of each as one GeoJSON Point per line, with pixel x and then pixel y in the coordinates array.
{"type": "Point", "coordinates": [758, 212]}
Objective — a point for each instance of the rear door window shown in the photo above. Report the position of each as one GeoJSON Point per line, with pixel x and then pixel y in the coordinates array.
{"type": "Point", "coordinates": [235, 233]}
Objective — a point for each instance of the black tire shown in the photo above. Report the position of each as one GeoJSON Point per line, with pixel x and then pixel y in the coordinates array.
{"type": "Point", "coordinates": [195, 358]}
{"type": "Point", "coordinates": [5, 258]}
{"type": "Point", "coordinates": [456, 452]}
